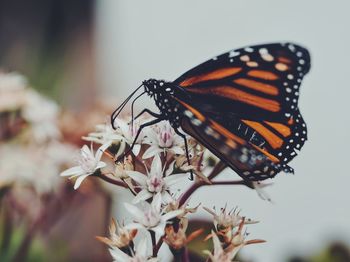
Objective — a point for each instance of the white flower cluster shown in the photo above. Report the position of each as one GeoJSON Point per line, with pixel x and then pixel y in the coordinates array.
{"type": "Point", "coordinates": [153, 144]}
{"type": "Point", "coordinates": [31, 153]}
{"type": "Point", "coordinates": [150, 167]}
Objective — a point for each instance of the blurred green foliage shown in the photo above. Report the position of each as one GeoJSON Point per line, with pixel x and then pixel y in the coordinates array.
{"type": "Point", "coordinates": [11, 238]}
{"type": "Point", "coordinates": [335, 252]}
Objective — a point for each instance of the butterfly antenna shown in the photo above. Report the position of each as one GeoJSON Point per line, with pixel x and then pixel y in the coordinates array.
{"type": "Point", "coordinates": [118, 110]}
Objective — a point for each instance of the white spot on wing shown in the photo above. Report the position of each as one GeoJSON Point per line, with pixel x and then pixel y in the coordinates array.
{"type": "Point", "coordinates": [233, 53]}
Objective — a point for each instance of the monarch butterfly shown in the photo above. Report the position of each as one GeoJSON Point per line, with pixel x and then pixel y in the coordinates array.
{"type": "Point", "coordinates": [241, 105]}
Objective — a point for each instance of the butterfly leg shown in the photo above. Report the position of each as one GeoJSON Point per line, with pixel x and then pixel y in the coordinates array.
{"type": "Point", "coordinates": [186, 149]}
{"type": "Point", "coordinates": [150, 123]}
{"type": "Point", "coordinates": [149, 112]}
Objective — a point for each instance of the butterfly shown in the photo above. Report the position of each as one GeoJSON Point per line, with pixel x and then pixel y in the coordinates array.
{"type": "Point", "coordinates": [241, 105]}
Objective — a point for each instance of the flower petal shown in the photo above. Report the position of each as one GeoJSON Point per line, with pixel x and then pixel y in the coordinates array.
{"type": "Point", "coordinates": [100, 164]}
{"type": "Point", "coordinates": [134, 226]}
{"type": "Point", "coordinates": [77, 170]}
{"type": "Point", "coordinates": [217, 245]}
{"type": "Point", "coordinates": [142, 195]}
{"type": "Point", "coordinates": [171, 214]}
{"type": "Point", "coordinates": [121, 147]}
{"type": "Point", "coordinates": [141, 248]}
{"type": "Point", "coordinates": [133, 210]}
{"type": "Point", "coordinates": [166, 197]}
{"type": "Point", "coordinates": [159, 229]}
{"type": "Point", "coordinates": [136, 149]}
{"type": "Point", "coordinates": [170, 169]}
{"type": "Point", "coordinates": [122, 125]}
{"type": "Point", "coordinates": [151, 151]}
{"type": "Point", "coordinates": [119, 255]}
{"type": "Point", "coordinates": [137, 176]}
{"type": "Point", "coordinates": [99, 153]}
{"type": "Point", "coordinates": [79, 181]}
{"type": "Point", "coordinates": [157, 202]}
{"type": "Point", "coordinates": [156, 166]}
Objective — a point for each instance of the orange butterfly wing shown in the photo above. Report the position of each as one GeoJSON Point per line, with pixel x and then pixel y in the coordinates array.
{"type": "Point", "coordinates": [255, 83]}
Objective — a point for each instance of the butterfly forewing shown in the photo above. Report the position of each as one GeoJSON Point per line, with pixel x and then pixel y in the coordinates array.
{"type": "Point", "coordinates": [257, 82]}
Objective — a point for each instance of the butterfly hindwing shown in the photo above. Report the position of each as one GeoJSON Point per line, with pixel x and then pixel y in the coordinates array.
{"type": "Point", "coordinates": [244, 158]}
{"type": "Point", "coordinates": [257, 82]}
{"type": "Point", "coordinates": [280, 140]}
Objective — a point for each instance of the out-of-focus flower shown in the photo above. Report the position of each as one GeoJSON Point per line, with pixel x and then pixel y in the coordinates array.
{"type": "Point", "coordinates": [41, 114]}
{"type": "Point", "coordinates": [162, 138]}
{"type": "Point", "coordinates": [151, 217]}
{"type": "Point", "coordinates": [258, 186]}
{"type": "Point", "coordinates": [88, 165]}
{"type": "Point", "coordinates": [140, 255]}
{"type": "Point", "coordinates": [128, 133]}
{"type": "Point", "coordinates": [106, 136]}
{"type": "Point", "coordinates": [38, 166]}
{"type": "Point", "coordinates": [118, 236]}
{"type": "Point", "coordinates": [12, 91]}
{"type": "Point", "coordinates": [177, 239]}
{"type": "Point", "coordinates": [155, 182]}
{"type": "Point", "coordinates": [60, 153]}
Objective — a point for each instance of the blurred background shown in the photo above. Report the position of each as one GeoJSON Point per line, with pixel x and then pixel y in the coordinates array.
{"type": "Point", "coordinates": [89, 55]}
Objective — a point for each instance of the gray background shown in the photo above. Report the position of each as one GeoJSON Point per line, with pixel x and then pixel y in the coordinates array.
{"type": "Point", "coordinates": [137, 40]}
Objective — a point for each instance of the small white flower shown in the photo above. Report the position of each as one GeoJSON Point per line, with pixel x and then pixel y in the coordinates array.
{"type": "Point", "coordinates": [118, 236]}
{"type": "Point", "coordinates": [258, 186]}
{"type": "Point", "coordinates": [233, 242]}
{"type": "Point", "coordinates": [155, 182]}
{"type": "Point", "coordinates": [162, 138]}
{"type": "Point", "coordinates": [106, 136]}
{"type": "Point", "coordinates": [141, 254]}
{"type": "Point", "coordinates": [227, 219]}
{"type": "Point", "coordinates": [151, 217]}
{"type": "Point", "coordinates": [128, 133]}
{"type": "Point", "coordinates": [88, 164]}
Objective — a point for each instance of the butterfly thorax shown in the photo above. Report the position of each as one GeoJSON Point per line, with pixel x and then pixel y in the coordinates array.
{"type": "Point", "coordinates": [163, 94]}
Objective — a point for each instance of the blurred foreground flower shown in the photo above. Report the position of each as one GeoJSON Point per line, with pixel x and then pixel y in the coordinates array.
{"type": "Point", "coordinates": [33, 196]}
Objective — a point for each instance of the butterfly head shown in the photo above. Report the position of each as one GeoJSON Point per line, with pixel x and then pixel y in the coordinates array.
{"type": "Point", "coordinates": [154, 86]}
